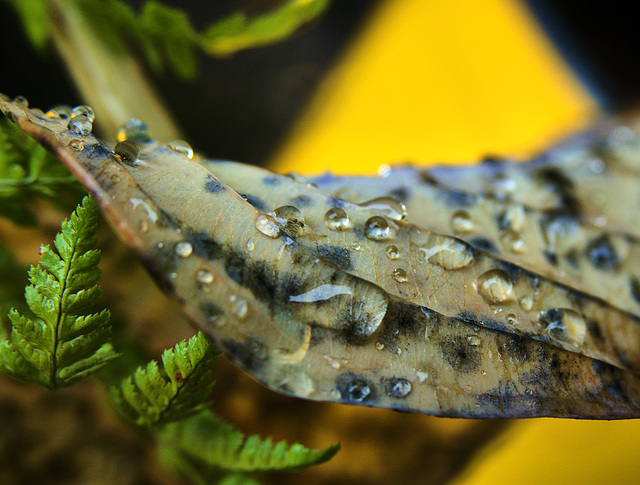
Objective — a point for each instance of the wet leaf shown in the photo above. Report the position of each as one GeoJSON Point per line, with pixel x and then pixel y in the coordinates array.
{"type": "Point", "coordinates": [338, 292]}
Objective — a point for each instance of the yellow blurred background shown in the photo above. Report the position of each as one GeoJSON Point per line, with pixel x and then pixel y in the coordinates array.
{"type": "Point", "coordinates": [431, 82]}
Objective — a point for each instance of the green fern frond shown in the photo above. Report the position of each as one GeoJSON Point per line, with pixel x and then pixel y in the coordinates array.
{"type": "Point", "coordinates": [62, 342]}
{"type": "Point", "coordinates": [216, 443]}
{"type": "Point", "coordinates": [166, 35]}
{"type": "Point", "coordinates": [152, 396]}
{"type": "Point", "coordinates": [27, 169]}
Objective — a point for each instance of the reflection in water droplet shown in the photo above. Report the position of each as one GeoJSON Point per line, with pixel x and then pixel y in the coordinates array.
{"type": "Point", "coordinates": [392, 252]}
{"type": "Point", "coordinates": [250, 246]}
{"type": "Point", "coordinates": [62, 112]}
{"type": "Point", "coordinates": [461, 222]}
{"type": "Point", "coordinates": [377, 228]}
{"type": "Point", "coordinates": [184, 249]}
{"type": "Point", "coordinates": [448, 253]}
{"type": "Point", "coordinates": [400, 388]}
{"type": "Point", "coordinates": [83, 111]}
{"type": "Point", "coordinates": [565, 325]}
{"type": "Point", "coordinates": [127, 150]}
{"type": "Point", "coordinates": [400, 275]}
{"type": "Point", "coordinates": [204, 276]}
{"type": "Point", "coordinates": [267, 225]}
{"type": "Point", "coordinates": [526, 302]}
{"type": "Point", "coordinates": [321, 293]}
{"type": "Point", "coordinates": [389, 207]}
{"type": "Point", "coordinates": [512, 241]}
{"type": "Point", "coordinates": [80, 125]}
{"type": "Point", "coordinates": [76, 145]}
{"type": "Point", "coordinates": [495, 286]}
{"type": "Point", "coordinates": [473, 340]}
{"type": "Point", "coordinates": [181, 146]}
{"type": "Point", "coordinates": [379, 345]}
{"type": "Point", "coordinates": [503, 186]}
{"type": "Point", "coordinates": [240, 309]}
{"type": "Point", "coordinates": [134, 130]}
{"type": "Point", "coordinates": [512, 319]}
{"type": "Point", "coordinates": [291, 220]}
{"type": "Point", "coordinates": [336, 219]}
{"type": "Point", "coordinates": [356, 246]}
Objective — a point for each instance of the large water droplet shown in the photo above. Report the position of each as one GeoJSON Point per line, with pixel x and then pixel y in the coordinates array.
{"type": "Point", "coordinates": [267, 225]}
{"type": "Point", "coordinates": [80, 125]}
{"type": "Point", "coordinates": [22, 101]}
{"type": "Point", "coordinates": [448, 253]}
{"type": "Point", "coordinates": [181, 146]}
{"type": "Point", "coordinates": [461, 222]}
{"type": "Point", "coordinates": [495, 286]}
{"type": "Point", "coordinates": [392, 252]}
{"type": "Point", "coordinates": [184, 249]}
{"type": "Point", "coordinates": [377, 228]}
{"type": "Point", "coordinates": [127, 150]}
{"type": "Point", "coordinates": [134, 130]}
{"type": "Point", "coordinates": [336, 219]}
{"type": "Point", "coordinates": [565, 325]}
{"type": "Point", "coordinates": [291, 220]}
{"type": "Point", "coordinates": [62, 112]}
{"type": "Point", "coordinates": [399, 388]}
{"type": "Point", "coordinates": [83, 111]}
{"type": "Point", "coordinates": [400, 275]}
{"type": "Point", "coordinates": [389, 207]}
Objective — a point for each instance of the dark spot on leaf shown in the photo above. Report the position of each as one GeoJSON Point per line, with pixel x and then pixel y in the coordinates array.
{"type": "Point", "coordinates": [460, 355]}
{"type": "Point", "coordinates": [251, 356]}
{"type": "Point", "coordinates": [484, 244]}
{"type": "Point", "coordinates": [301, 201]}
{"type": "Point", "coordinates": [595, 330]}
{"type": "Point", "coordinates": [512, 348]}
{"type": "Point", "coordinates": [602, 254]}
{"type": "Point", "coordinates": [456, 198]}
{"type": "Point", "coordinates": [401, 193]}
{"type": "Point", "coordinates": [573, 258]}
{"type": "Point", "coordinates": [256, 202]}
{"type": "Point", "coordinates": [213, 185]}
{"type": "Point", "coordinates": [635, 289]}
{"type": "Point", "coordinates": [427, 178]}
{"type": "Point", "coordinates": [335, 255]}
{"type": "Point", "coordinates": [271, 180]}
{"type": "Point", "coordinates": [471, 319]}
{"type": "Point", "coordinates": [558, 182]}
{"type": "Point", "coordinates": [551, 257]}
{"type": "Point", "coordinates": [355, 388]}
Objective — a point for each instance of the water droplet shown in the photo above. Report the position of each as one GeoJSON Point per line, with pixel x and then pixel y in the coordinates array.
{"type": "Point", "coordinates": [393, 252]}
{"type": "Point", "coordinates": [184, 249]}
{"type": "Point", "coordinates": [422, 376]}
{"type": "Point", "coordinates": [291, 220]}
{"type": "Point", "coordinates": [204, 276]}
{"type": "Point", "coordinates": [461, 222]}
{"type": "Point", "coordinates": [379, 345]}
{"type": "Point", "coordinates": [399, 388]}
{"type": "Point", "coordinates": [565, 325]}
{"type": "Point", "coordinates": [384, 171]}
{"type": "Point", "coordinates": [250, 246]}
{"type": "Point", "coordinates": [181, 146]}
{"type": "Point", "coordinates": [127, 150]}
{"type": "Point", "coordinates": [389, 207]}
{"type": "Point", "coordinates": [240, 309]}
{"type": "Point", "coordinates": [495, 286]}
{"type": "Point", "coordinates": [160, 245]}
{"type": "Point", "coordinates": [526, 302]}
{"type": "Point", "coordinates": [503, 186]}
{"type": "Point", "coordinates": [400, 275]}
{"type": "Point", "coordinates": [512, 319]}
{"type": "Point", "coordinates": [377, 228]}
{"type": "Point", "coordinates": [80, 125]}
{"type": "Point", "coordinates": [83, 111]}
{"type": "Point", "coordinates": [448, 253]}
{"type": "Point", "coordinates": [22, 101]}
{"type": "Point", "coordinates": [76, 145]}
{"type": "Point", "coordinates": [513, 218]}
{"type": "Point", "coordinates": [356, 246]}
{"type": "Point", "coordinates": [62, 112]}
{"type": "Point", "coordinates": [512, 241]}
{"type": "Point", "coordinates": [267, 225]}
{"type": "Point", "coordinates": [134, 130]}
{"type": "Point", "coordinates": [473, 340]}
{"type": "Point", "coordinates": [336, 219]}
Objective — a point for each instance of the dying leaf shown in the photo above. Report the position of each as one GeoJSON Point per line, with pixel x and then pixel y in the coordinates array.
{"type": "Point", "coordinates": [330, 296]}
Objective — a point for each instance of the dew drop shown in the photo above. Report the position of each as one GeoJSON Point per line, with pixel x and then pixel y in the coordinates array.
{"type": "Point", "coordinates": [240, 309]}
{"type": "Point", "coordinates": [250, 246]}
{"type": "Point", "coordinates": [495, 286]}
{"type": "Point", "coordinates": [448, 253]}
{"type": "Point", "coordinates": [379, 345]}
{"type": "Point", "coordinates": [512, 319]}
{"type": "Point", "coordinates": [422, 376]}
{"type": "Point", "coordinates": [473, 340]}
{"type": "Point", "coordinates": [399, 388]}
{"type": "Point", "coordinates": [134, 130]}
{"type": "Point", "coordinates": [461, 222]}
{"type": "Point", "coordinates": [127, 150]}
{"type": "Point", "coordinates": [526, 303]}
{"type": "Point", "coordinates": [204, 276]}
{"type": "Point", "coordinates": [512, 241]}
{"type": "Point", "coordinates": [83, 110]}
{"type": "Point", "coordinates": [377, 228]}
{"type": "Point", "coordinates": [291, 220]}
{"type": "Point", "coordinates": [336, 219]}
{"type": "Point", "coordinates": [80, 125]}
{"type": "Point", "coordinates": [356, 246]}
{"type": "Point", "coordinates": [62, 112]}
{"type": "Point", "coordinates": [400, 275]}
{"type": "Point", "coordinates": [22, 101]}
{"type": "Point", "coordinates": [76, 145]}
{"type": "Point", "coordinates": [267, 225]}
{"type": "Point", "coordinates": [389, 207]}
{"type": "Point", "coordinates": [184, 249]}
{"type": "Point", "coordinates": [565, 325]}
{"type": "Point", "coordinates": [181, 146]}
{"type": "Point", "coordinates": [392, 252]}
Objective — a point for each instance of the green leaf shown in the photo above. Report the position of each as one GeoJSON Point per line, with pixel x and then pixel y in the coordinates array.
{"type": "Point", "coordinates": [152, 396]}
{"type": "Point", "coordinates": [237, 31]}
{"type": "Point", "coordinates": [34, 15]}
{"type": "Point", "coordinates": [214, 442]}
{"type": "Point", "coordinates": [27, 169]}
{"type": "Point", "coordinates": [61, 342]}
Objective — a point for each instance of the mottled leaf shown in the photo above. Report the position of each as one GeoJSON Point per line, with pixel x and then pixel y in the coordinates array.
{"type": "Point", "coordinates": [331, 296]}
